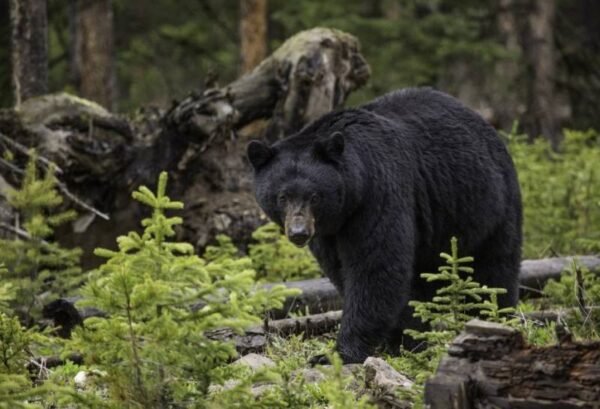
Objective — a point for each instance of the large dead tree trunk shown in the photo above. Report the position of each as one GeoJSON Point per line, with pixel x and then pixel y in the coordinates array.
{"type": "Point", "coordinates": [490, 366]}
{"type": "Point", "coordinates": [253, 33]}
{"type": "Point", "coordinates": [94, 56]}
{"type": "Point", "coordinates": [29, 53]}
{"type": "Point", "coordinates": [200, 141]}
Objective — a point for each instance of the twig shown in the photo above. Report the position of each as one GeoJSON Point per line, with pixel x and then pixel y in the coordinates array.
{"type": "Point", "coordinates": [47, 163]}
{"type": "Point", "coordinates": [19, 232]}
{"type": "Point", "coordinates": [25, 150]}
{"type": "Point", "coordinates": [76, 200]}
{"type": "Point", "coordinates": [11, 166]}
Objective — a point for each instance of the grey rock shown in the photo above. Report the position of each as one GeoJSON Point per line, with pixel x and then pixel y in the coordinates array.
{"type": "Point", "coordinates": [255, 362]}
{"type": "Point", "coordinates": [384, 383]}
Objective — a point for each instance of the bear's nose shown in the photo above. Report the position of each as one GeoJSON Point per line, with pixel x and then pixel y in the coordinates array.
{"type": "Point", "coordinates": [298, 235]}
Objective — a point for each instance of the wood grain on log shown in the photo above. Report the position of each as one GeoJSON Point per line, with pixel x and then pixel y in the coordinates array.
{"type": "Point", "coordinates": [490, 366]}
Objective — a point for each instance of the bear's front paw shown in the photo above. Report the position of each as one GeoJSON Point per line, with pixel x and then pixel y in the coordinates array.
{"type": "Point", "coordinates": [321, 359]}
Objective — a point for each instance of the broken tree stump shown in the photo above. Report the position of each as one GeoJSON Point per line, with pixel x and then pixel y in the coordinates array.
{"type": "Point", "coordinates": [490, 366]}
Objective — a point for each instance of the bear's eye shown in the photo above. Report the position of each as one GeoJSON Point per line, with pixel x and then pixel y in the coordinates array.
{"type": "Point", "coordinates": [281, 198]}
{"type": "Point", "coordinates": [314, 199]}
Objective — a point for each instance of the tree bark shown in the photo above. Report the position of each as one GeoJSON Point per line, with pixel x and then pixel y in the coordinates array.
{"type": "Point", "coordinates": [94, 55]}
{"type": "Point", "coordinates": [253, 33]}
{"type": "Point", "coordinates": [540, 54]}
{"type": "Point", "coordinates": [29, 53]}
{"type": "Point", "coordinates": [489, 365]}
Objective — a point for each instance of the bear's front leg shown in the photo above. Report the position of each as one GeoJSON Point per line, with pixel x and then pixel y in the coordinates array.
{"type": "Point", "coordinates": [376, 290]}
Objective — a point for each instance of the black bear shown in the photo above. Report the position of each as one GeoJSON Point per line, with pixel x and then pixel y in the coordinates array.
{"type": "Point", "coordinates": [378, 191]}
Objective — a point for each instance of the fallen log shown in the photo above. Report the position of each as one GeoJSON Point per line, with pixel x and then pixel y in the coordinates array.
{"type": "Point", "coordinates": [320, 296]}
{"type": "Point", "coordinates": [490, 366]}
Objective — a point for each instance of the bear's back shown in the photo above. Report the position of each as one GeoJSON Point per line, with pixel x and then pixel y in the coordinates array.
{"type": "Point", "coordinates": [431, 111]}
{"type": "Point", "coordinates": [466, 178]}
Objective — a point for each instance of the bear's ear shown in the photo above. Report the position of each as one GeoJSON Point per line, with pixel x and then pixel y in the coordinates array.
{"type": "Point", "coordinates": [258, 154]}
{"type": "Point", "coordinates": [330, 147]}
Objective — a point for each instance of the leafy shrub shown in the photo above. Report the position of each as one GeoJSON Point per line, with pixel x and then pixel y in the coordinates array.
{"type": "Point", "coordinates": [154, 347]}
{"type": "Point", "coordinates": [561, 193]}
{"type": "Point", "coordinates": [276, 259]}
{"type": "Point", "coordinates": [34, 264]}
{"type": "Point", "coordinates": [17, 390]}
{"type": "Point", "coordinates": [577, 290]}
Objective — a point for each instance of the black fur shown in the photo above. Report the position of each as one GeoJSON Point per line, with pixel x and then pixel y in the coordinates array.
{"type": "Point", "coordinates": [414, 168]}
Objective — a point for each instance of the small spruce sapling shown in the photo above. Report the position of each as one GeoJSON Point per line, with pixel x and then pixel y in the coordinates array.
{"type": "Point", "coordinates": [154, 347]}
{"type": "Point", "coordinates": [456, 303]}
{"type": "Point", "coordinates": [36, 264]}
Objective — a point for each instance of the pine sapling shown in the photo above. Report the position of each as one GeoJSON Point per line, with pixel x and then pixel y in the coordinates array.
{"type": "Point", "coordinates": [163, 302]}
{"type": "Point", "coordinates": [34, 263]}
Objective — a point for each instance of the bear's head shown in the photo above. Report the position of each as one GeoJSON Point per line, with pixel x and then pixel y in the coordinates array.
{"type": "Point", "coordinates": [299, 184]}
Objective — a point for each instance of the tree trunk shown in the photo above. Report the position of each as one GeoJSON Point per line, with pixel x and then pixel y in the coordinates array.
{"type": "Point", "coordinates": [94, 54]}
{"type": "Point", "coordinates": [253, 33]}
{"type": "Point", "coordinates": [29, 52]}
{"type": "Point", "coordinates": [506, 96]}
{"type": "Point", "coordinates": [490, 366]}
{"type": "Point", "coordinates": [540, 55]}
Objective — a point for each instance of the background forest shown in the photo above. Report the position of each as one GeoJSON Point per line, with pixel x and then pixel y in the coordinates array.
{"type": "Point", "coordinates": [506, 58]}
{"type": "Point", "coordinates": [150, 307]}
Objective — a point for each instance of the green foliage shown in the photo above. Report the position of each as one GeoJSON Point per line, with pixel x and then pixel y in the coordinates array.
{"type": "Point", "coordinates": [424, 36]}
{"type": "Point", "coordinates": [577, 290]}
{"type": "Point", "coordinates": [276, 259]}
{"type": "Point", "coordinates": [456, 303]}
{"type": "Point", "coordinates": [223, 250]}
{"type": "Point", "coordinates": [16, 346]}
{"type": "Point", "coordinates": [7, 293]}
{"type": "Point", "coordinates": [35, 264]}
{"type": "Point", "coordinates": [561, 193]}
{"type": "Point", "coordinates": [154, 346]}
{"type": "Point", "coordinates": [459, 300]}
{"type": "Point", "coordinates": [336, 388]}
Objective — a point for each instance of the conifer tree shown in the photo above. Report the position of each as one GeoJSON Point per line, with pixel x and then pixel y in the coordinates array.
{"type": "Point", "coordinates": [34, 263]}
{"type": "Point", "coordinates": [457, 302]}
{"type": "Point", "coordinates": [156, 349]}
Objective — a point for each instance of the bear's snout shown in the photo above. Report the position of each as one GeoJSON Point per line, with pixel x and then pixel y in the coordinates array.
{"type": "Point", "coordinates": [299, 227]}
